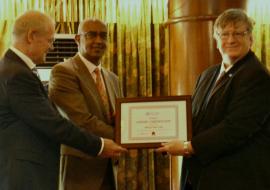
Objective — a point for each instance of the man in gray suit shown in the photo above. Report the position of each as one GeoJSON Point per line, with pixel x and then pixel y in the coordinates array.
{"type": "Point", "coordinates": [31, 130]}
{"type": "Point", "coordinates": [75, 88]}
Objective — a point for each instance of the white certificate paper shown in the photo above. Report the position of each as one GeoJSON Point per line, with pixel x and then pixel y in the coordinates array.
{"type": "Point", "coordinates": [153, 122]}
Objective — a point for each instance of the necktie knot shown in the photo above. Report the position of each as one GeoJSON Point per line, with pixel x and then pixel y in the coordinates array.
{"type": "Point", "coordinates": [35, 71]}
{"type": "Point", "coordinates": [97, 71]}
{"type": "Point", "coordinates": [220, 78]}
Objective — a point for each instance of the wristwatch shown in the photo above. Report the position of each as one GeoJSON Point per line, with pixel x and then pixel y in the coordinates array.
{"type": "Point", "coordinates": [185, 147]}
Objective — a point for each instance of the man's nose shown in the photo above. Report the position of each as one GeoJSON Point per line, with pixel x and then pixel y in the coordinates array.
{"type": "Point", "coordinates": [231, 37]}
{"type": "Point", "coordinates": [98, 39]}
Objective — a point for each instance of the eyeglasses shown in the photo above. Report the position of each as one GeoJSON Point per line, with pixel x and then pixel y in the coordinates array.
{"type": "Point", "coordinates": [237, 35]}
{"type": "Point", "coordinates": [92, 35]}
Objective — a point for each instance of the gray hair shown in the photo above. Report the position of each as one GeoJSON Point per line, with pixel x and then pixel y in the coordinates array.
{"type": "Point", "coordinates": [232, 16]}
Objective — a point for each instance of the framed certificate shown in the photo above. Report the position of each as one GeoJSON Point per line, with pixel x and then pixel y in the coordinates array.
{"type": "Point", "coordinates": [147, 122]}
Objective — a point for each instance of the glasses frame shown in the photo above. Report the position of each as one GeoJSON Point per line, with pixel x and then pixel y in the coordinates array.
{"type": "Point", "coordinates": [94, 34]}
{"type": "Point", "coordinates": [236, 35]}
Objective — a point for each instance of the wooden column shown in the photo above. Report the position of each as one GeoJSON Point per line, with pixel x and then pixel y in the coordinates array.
{"type": "Point", "coordinates": [192, 47]}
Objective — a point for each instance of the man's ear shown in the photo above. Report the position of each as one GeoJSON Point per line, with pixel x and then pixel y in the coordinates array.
{"type": "Point", "coordinates": [31, 35]}
{"type": "Point", "coordinates": [77, 39]}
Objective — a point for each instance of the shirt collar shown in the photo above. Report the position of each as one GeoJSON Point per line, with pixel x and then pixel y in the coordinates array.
{"type": "Point", "coordinates": [90, 66]}
{"type": "Point", "coordinates": [223, 69]}
{"type": "Point", "coordinates": [24, 57]}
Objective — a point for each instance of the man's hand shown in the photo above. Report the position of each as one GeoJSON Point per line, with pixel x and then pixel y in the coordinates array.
{"type": "Point", "coordinates": [176, 147]}
{"type": "Point", "coordinates": [111, 149]}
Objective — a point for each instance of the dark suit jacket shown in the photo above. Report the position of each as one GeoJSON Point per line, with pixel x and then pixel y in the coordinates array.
{"type": "Point", "coordinates": [231, 132]}
{"type": "Point", "coordinates": [73, 89]}
{"type": "Point", "coordinates": [31, 130]}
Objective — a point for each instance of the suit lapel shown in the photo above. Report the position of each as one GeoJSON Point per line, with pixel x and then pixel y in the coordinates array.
{"type": "Point", "coordinates": [205, 88]}
{"type": "Point", "coordinates": [224, 80]}
{"type": "Point", "coordinates": [201, 96]}
{"type": "Point", "coordinates": [42, 86]}
{"type": "Point", "coordinates": [87, 79]}
{"type": "Point", "coordinates": [230, 74]}
{"type": "Point", "coordinates": [210, 82]}
{"type": "Point", "coordinates": [16, 59]}
{"type": "Point", "coordinates": [85, 76]}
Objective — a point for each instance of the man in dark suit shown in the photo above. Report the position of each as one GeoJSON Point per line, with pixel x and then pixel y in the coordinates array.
{"type": "Point", "coordinates": [74, 88]}
{"type": "Point", "coordinates": [230, 148]}
{"type": "Point", "coordinates": [31, 130]}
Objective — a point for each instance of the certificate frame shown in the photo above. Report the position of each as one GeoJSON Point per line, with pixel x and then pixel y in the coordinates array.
{"type": "Point", "coordinates": [146, 122]}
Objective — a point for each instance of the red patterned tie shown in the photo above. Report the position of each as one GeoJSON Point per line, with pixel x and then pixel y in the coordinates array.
{"type": "Point", "coordinates": [103, 93]}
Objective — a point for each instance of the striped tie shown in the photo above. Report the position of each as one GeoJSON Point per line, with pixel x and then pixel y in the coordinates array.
{"type": "Point", "coordinates": [217, 82]}
{"type": "Point", "coordinates": [103, 94]}
{"type": "Point", "coordinates": [220, 78]}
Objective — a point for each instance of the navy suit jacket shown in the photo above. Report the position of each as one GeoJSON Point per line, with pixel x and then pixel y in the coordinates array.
{"type": "Point", "coordinates": [31, 130]}
{"type": "Point", "coordinates": [231, 131]}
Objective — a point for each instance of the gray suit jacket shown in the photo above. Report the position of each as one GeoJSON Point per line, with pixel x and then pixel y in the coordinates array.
{"type": "Point", "coordinates": [31, 130]}
{"type": "Point", "coordinates": [73, 89]}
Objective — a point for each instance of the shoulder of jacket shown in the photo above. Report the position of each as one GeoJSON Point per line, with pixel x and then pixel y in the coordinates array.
{"type": "Point", "coordinates": [68, 64]}
{"type": "Point", "coordinates": [210, 69]}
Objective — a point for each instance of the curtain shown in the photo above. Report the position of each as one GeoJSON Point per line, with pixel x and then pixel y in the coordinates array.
{"type": "Point", "coordinates": [137, 53]}
{"type": "Point", "coordinates": [259, 11]}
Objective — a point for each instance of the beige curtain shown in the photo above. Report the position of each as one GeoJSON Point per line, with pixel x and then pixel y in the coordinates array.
{"type": "Point", "coordinates": [259, 11]}
{"type": "Point", "coordinates": [137, 53]}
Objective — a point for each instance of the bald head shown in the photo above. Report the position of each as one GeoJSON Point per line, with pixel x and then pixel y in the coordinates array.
{"type": "Point", "coordinates": [31, 20]}
{"type": "Point", "coordinates": [33, 35]}
{"type": "Point", "coordinates": [92, 39]}
{"type": "Point", "coordinates": [86, 22]}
